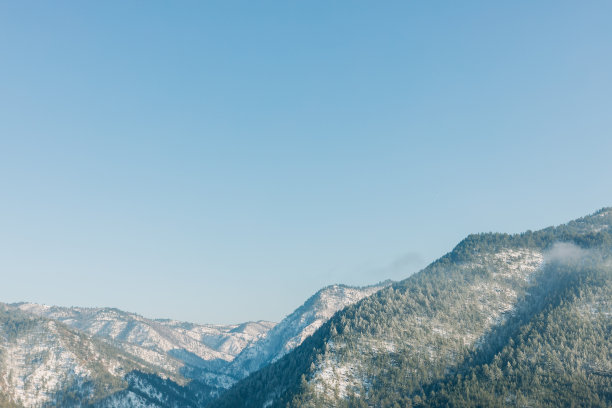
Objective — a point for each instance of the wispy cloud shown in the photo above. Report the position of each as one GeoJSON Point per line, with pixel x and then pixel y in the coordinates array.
{"type": "Point", "coordinates": [564, 252]}
{"type": "Point", "coordinates": [401, 267]}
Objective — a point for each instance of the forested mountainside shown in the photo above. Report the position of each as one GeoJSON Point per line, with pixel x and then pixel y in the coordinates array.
{"type": "Point", "coordinates": [146, 390]}
{"type": "Point", "coordinates": [299, 325]}
{"type": "Point", "coordinates": [501, 320]}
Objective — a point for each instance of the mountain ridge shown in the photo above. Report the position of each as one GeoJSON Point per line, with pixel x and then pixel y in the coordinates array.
{"type": "Point", "coordinates": [401, 344]}
{"type": "Point", "coordinates": [300, 324]}
{"type": "Point", "coordinates": [478, 326]}
{"type": "Point", "coordinates": [192, 359]}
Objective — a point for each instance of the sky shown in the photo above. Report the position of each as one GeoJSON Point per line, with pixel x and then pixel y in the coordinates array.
{"type": "Point", "coordinates": [221, 161]}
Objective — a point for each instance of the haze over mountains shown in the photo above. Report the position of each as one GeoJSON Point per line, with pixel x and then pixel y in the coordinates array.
{"type": "Point", "coordinates": [522, 319]}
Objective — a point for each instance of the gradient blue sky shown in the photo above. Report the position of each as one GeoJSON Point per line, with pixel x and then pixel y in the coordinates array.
{"type": "Point", "coordinates": [222, 161]}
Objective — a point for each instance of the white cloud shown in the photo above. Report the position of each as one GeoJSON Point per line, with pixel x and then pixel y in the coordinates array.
{"type": "Point", "coordinates": [565, 252]}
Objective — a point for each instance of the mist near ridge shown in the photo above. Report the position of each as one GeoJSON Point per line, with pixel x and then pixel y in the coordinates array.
{"type": "Point", "coordinates": [566, 252]}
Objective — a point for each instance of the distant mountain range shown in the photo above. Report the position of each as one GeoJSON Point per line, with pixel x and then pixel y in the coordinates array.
{"type": "Point", "coordinates": [519, 320]}
{"type": "Point", "coordinates": [184, 349]}
{"type": "Point", "coordinates": [212, 357]}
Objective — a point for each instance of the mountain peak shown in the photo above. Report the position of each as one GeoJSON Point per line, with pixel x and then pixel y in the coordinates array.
{"type": "Point", "coordinates": [299, 325]}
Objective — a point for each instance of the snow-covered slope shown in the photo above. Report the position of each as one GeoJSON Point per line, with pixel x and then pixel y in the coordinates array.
{"type": "Point", "coordinates": [42, 361]}
{"type": "Point", "coordinates": [48, 353]}
{"type": "Point", "coordinates": [150, 391]}
{"type": "Point", "coordinates": [500, 281]}
{"type": "Point", "coordinates": [208, 342]}
{"type": "Point", "coordinates": [217, 355]}
{"type": "Point", "coordinates": [296, 327]}
{"type": "Point", "coordinates": [179, 347]}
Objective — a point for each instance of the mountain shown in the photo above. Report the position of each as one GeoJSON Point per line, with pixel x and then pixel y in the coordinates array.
{"type": "Point", "coordinates": [47, 356]}
{"type": "Point", "coordinates": [299, 325]}
{"type": "Point", "coordinates": [501, 320]}
{"type": "Point", "coordinates": [146, 390]}
{"type": "Point", "coordinates": [522, 319]}
{"type": "Point", "coordinates": [45, 363]}
{"type": "Point", "coordinates": [217, 355]}
{"type": "Point", "coordinates": [188, 349]}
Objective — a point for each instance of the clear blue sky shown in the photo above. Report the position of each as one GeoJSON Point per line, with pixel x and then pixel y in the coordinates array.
{"type": "Point", "coordinates": [222, 161]}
